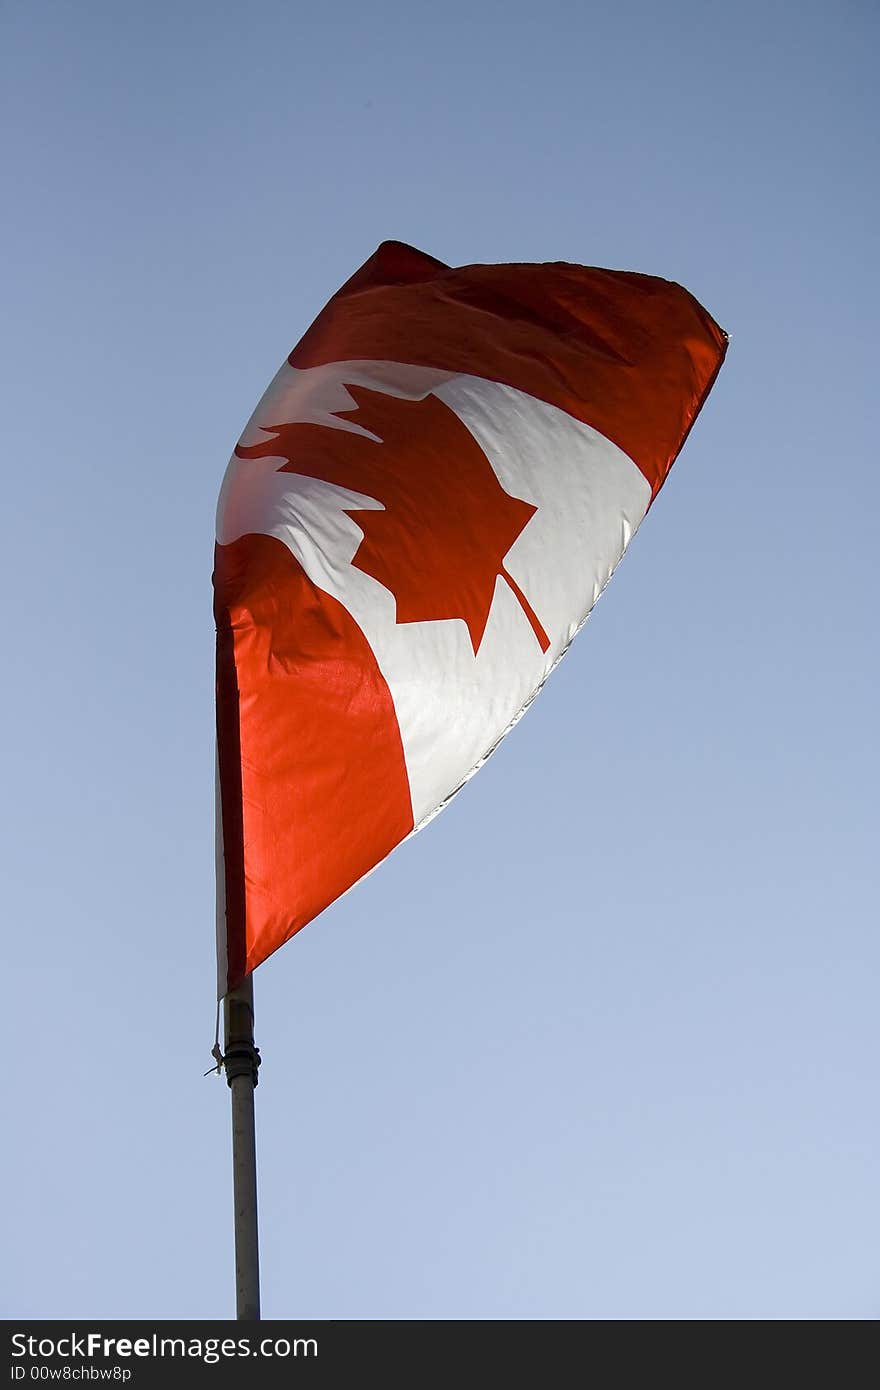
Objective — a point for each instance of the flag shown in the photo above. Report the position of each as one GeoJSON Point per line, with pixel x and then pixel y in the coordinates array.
{"type": "Point", "coordinates": [418, 518]}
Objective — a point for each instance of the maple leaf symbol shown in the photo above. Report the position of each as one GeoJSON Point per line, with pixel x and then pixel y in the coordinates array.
{"type": "Point", "coordinates": [447, 525]}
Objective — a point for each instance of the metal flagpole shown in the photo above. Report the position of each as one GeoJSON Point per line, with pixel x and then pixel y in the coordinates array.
{"type": "Point", "coordinates": [241, 1060]}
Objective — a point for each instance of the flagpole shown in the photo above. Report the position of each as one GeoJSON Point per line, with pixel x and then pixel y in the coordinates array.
{"type": "Point", "coordinates": [241, 1060]}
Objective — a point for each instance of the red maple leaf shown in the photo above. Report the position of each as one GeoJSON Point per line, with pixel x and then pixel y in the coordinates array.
{"type": "Point", "coordinates": [439, 545]}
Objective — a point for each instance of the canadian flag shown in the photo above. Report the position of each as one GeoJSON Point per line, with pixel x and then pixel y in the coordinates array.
{"type": "Point", "coordinates": [418, 518]}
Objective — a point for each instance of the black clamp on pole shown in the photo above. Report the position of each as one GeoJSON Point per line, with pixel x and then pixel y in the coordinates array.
{"type": "Point", "coordinates": [242, 1057]}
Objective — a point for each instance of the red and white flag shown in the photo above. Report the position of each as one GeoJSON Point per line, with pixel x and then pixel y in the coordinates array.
{"type": "Point", "coordinates": [420, 514]}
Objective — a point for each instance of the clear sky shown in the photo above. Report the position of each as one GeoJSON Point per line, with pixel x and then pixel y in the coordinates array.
{"type": "Point", "coordinates": [602, 1042]}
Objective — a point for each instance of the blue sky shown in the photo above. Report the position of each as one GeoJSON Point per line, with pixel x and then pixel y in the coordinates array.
{"type": "Point", "coordinates": [602, 1042]}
